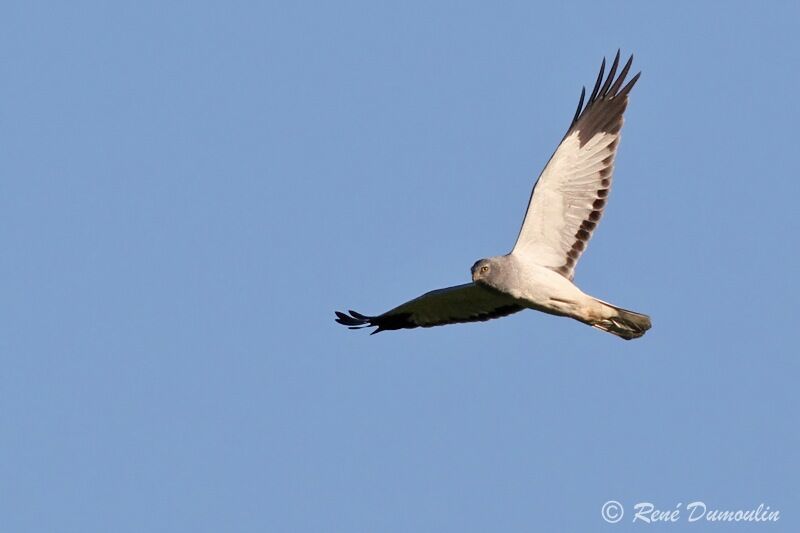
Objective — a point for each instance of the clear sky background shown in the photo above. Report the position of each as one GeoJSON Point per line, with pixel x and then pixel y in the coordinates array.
{"type": "Point", "coordinates": [188, 190]}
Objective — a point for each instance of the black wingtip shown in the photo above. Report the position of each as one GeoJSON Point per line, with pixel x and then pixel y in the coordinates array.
{"type": "Point", "coordinates": [614, 90]}
{"type": "Point", "coordinates": [606, 104]}
{"type": "Point", "coordinates": [580, 105]}
{"type": "Point", "coordinates": [625, 90]}
{"type": "Point", "coordinates": [359, 315]}
{"type": "Point", "coordinates": [610, 78]}
{"type": "Point", "coordinates": [353, 320]}
{"type": "Point", "coordinates": [597, 82]}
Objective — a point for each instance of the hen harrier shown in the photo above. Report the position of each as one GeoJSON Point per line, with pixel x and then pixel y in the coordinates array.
{"type": "Point", "coordinates": [565, 206]}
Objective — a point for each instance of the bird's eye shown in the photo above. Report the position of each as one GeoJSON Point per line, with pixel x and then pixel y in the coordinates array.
{"type": "Point", "coordinates": [484, 269]}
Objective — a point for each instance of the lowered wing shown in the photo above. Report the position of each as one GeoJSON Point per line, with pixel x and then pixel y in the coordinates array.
{"type": "Point", "coordinates": [462, 303]}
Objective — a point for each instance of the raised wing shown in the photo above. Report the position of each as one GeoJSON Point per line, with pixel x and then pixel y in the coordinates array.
{"type": "Point", "coordinates": [462, 303]}
{"type": "Point", "coordinates": [570, 194]}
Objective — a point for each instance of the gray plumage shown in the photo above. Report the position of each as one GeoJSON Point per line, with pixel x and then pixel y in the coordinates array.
{"type": "Point", "coordinates": [566, 204]}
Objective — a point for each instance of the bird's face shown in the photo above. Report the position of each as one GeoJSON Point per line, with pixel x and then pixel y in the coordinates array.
{"type": "Point", "coordinates": [481, 270]}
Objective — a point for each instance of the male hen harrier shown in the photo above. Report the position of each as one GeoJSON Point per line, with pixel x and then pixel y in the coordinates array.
{"type": "Point", "coordinates": [565, 206]}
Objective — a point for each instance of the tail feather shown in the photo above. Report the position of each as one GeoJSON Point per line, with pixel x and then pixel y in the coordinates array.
{"type": "Point", "coordinates": [623, 323]}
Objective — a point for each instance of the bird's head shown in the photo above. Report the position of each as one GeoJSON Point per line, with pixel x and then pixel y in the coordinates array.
{"type": "Point", "coordinates": [481, 270]}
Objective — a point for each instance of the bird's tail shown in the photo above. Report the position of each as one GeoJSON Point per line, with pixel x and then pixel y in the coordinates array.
{"type": "Point", "coordinates": [621, 322]}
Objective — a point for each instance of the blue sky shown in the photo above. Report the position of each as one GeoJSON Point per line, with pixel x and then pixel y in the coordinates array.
{"type": "Point", "coordinates": [189, 190]}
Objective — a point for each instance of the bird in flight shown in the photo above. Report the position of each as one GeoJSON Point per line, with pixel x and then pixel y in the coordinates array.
{"type": "Point", "coordinates": [564, 208]}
